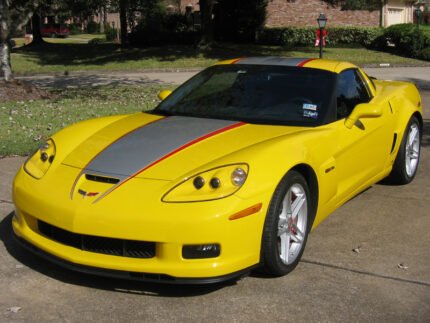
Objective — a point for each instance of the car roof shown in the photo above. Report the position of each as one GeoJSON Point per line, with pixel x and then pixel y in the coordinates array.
{"type": "Point", "coordinates": [323, 64]}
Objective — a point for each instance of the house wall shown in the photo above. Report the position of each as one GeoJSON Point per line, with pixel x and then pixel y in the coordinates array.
{"type": "Point", "coordinates": [305, 12]}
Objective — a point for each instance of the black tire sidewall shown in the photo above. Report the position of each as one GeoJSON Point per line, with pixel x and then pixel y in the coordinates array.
{"type": "Point", "coordinates": [399, 168]}
{"type": "Point", "coordinates": [271, 260]}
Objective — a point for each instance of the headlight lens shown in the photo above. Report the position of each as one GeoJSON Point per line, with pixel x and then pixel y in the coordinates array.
{"type": "Point", "coordinates": [238, 177]}
{"type": "Point", "coordinates": [210, 185]}
{"type": "Point", "coordinates": [38, 164]}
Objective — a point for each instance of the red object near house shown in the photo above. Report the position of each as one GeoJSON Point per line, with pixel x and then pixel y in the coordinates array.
{"type": "Point", "coordinates": [318, 34]}
{"type": "Point", "coordinates": [55, 30]}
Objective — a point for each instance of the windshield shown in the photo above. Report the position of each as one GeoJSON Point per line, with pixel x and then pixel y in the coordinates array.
{"type": "Point", "coordinates": [255, 94]}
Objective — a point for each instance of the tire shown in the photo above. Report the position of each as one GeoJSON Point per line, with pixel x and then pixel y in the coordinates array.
{"type": "Point", "coordinates": [285, 235]}
{"type": "Point", "coordinates": [406, 164]}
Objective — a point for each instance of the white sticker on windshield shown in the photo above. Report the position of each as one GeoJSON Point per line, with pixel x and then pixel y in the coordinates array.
{"type": "Point", "coordinates": [308, 106]}
{"type": "Point", "coordinates": [310, 114]}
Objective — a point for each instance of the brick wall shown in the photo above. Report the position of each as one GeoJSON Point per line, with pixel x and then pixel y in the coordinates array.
{"type": "Point", "coordinates": [305, 12]}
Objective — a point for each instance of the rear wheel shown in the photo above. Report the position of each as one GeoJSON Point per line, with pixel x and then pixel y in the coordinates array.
{"type": "Point", "coordinates": [287, 225]}
{"type": "Point", "coordinates": [407, 160]}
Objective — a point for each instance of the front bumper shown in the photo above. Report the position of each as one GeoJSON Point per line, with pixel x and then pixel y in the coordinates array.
{"type": "Point", "coordinates": [144, 277]}
{"type": "Point", "coordinates": [123, 215]}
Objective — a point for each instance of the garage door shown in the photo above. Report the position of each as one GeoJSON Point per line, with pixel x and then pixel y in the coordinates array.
{"type": "Point", "coordinates": [395, 16]}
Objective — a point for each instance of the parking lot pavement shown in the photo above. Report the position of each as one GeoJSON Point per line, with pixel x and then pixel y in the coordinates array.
{"type": "Point", "coordinates": [386, 278]}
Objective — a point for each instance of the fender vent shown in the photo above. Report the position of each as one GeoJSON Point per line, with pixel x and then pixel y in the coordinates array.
{"type": "Point", "coordinates": [394, 143]}
{"type": "Point", "coordinates": [101, 179]}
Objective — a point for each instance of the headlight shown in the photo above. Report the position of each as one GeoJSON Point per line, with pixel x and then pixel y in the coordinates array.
{"type": "Point", "coordinates": [38, 164]}
{"type": "Point", "coordinates": [213, 184]}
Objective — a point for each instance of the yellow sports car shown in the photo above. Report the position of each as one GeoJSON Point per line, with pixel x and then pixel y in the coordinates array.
{"type": "Point", "coordinates": [230, 172]}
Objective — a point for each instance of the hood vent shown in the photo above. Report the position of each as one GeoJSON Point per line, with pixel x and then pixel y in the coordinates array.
{"type": "Point", "coordinates": [101, 179]}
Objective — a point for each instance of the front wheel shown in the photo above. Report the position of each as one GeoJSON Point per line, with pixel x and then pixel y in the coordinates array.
{"type": "Point", "coordinates": [287, 225]}
{"type": "Point", "coordinates": [406, 164]}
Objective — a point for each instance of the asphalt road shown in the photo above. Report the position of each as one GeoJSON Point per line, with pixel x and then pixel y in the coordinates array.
{"type": "Point", "coordinates": [388, 280]}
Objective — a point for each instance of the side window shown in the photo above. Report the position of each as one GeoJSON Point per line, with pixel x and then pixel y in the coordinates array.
{"type": "Point", "coordinates": [351, 91]}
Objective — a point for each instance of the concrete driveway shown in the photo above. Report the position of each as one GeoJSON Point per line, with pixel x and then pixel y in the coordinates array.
{"type": "Point", "coordinates": [386, 278]}
{"type": "Point", "coordinates": [418, 75]}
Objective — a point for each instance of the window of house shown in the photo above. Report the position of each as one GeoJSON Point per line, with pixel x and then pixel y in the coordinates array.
{"type": "Point", "coordinates": [351, 91]}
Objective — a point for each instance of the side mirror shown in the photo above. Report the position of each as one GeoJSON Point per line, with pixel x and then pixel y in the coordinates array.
{"type": "Point", "coordinates": [363, 110]}
{"type": "Point", "coordinates": [164, 94]}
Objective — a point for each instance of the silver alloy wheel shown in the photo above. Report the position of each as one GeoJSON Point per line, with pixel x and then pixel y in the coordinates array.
{"type": "Point", "coordinates": [412, 149]}
{"type": "Point", "coordinates": [292, 224]}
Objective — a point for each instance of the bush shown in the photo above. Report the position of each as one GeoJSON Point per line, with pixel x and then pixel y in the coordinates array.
{"type": "Point", "coordinates": [95, 41]}
{"type": "Point", "coordinates": [407, 39]}
{"type": "Point", "coordinates": [286, 36]}
{"type": "Point", "coordinates": [424, 54]}
{"type": "Point", "coordinates": [160, 29]}
{"type": "Point", "coordinates": [364, 36]}
{"type": "Point", "coordinates": [111, 33]}
{"type": "Point", "coordinates": [305, 36]}
{"type": "Point", "coordinates": [75, 29]}
{"type": "Point", "coordinates": [93, 27]}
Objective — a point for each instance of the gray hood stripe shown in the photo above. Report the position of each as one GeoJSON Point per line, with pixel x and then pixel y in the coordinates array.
{"type": "Point", "coordinates": [145, 146]}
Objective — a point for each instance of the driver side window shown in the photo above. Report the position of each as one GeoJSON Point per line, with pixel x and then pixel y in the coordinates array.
{"type": "Point", "coordinates": [351, 91]}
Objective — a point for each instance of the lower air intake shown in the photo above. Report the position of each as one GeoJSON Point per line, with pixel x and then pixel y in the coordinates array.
{"type": "Point", "coordinates": [108, 246]}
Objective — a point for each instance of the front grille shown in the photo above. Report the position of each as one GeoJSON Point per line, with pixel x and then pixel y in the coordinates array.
{"type": "Point", "coordinates": [108, 246]}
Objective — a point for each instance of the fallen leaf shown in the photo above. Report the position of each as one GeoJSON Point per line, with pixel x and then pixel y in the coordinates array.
{"type": "Point", "coordinates": [14, 309]}
{"type": "Point", "coordinates": [357, 250]}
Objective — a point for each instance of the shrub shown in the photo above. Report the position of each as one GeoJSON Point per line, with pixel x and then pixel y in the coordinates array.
{"type": "Point", "coordinates": [75, 29]}
{"type": "Point", "coordinates": [424, 54]}
{"type": "Point", "coordinates": [95, 41]}
{"type": "Point", "coordinates": [364, 36]}
{"type": "Point", "coordinates": [161, 29]}
{"type": "Point", "coordinates": [111, 33]}
{"type": "Point", "coordinates": [407, 39]}
{"type": "Point", "coordinates": [93, 27]}
{"type": "Point", "coordinates": [305, 36]}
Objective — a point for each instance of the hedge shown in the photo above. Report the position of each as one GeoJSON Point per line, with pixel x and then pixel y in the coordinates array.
{"type": "Point", "coordinates": [407, 39]}
{"type": "Point", "coordinates": [424, 54]}
{"type": "Point", "coordinates": [305, 36]}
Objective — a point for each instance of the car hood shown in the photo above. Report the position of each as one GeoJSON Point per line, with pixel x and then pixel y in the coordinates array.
{"type": "Point", "coordinates": [165, 148]}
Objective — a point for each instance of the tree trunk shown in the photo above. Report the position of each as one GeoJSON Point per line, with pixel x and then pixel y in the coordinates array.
{"type": "Point", "coordinates": [102, 19]}
{"type": "Point", "coordinates": [12, 18]}
{"type": "Point", "coordinates": [206, 11]}
{"type": "Point", "coordinates": [123, 5]}
{"type": "Point", "coordinates": [35, 24]}
{"type": "Point", "coordinates": [5, 68]}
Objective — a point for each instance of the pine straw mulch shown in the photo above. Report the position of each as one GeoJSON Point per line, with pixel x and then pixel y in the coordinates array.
{"type": "Point", "coordinates": [17, 90]}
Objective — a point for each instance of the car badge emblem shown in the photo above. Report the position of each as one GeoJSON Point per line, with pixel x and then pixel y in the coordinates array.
{"type": "Point", "coordinates": [85, 194]}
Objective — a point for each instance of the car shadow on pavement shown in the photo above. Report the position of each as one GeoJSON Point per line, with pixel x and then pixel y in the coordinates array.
{"type": "Point", "coordinates": [98, 282]}
{"type": "Point", "coordinates": [77, 81]}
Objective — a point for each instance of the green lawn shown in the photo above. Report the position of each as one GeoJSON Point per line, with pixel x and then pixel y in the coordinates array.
{"type": "Point", "coordinates": [72, 39]}
{"type": "Point", "coordinates": [58, 57]}
{"type": "Point", "coordinates": [23, 125]}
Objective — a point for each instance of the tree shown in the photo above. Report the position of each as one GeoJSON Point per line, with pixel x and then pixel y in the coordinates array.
{"type": "Point", "coordinates": [37, 33]}
{"type": "Point", "coordinates": [206, 13]}
{"type": "Point", "coordinates": [238, 20]}
{"type": "Point", "coordinates": [123, 8]}
{"type": "Point", "coordinates": [14, 15]}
